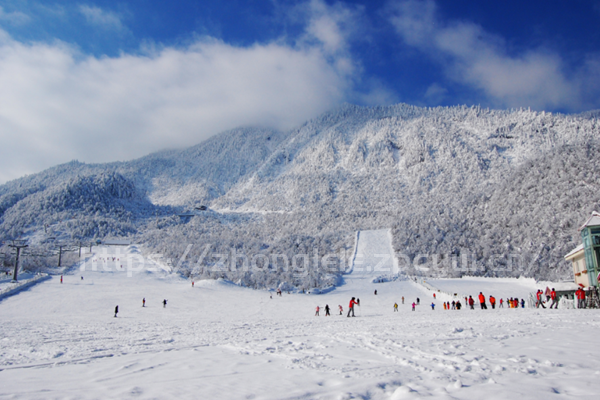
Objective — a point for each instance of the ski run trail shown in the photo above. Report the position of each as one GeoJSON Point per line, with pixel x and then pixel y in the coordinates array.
{"type": "Point", "coordinates": [220, 341]}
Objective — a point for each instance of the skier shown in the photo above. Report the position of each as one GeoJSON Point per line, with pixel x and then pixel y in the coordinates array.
{"type": "Point", "coordinates": [341, 309]}
{"type": "Point", "coordinates": [351, 307]}
{"type": "Point", "coordinates": [453, 305]}
{"type": "Point", "coordinates": [501, 303]}
{"type": "Point", "coordinates": [61, 282]}
{"type": "Point", "coordinates": [402, 299]}
{"type": "Point", "coordinates": [144, 302]}
{"type": "Point", "coordinates": [540, 300]}
{"type": "Point", "coordinates": [444, 303]}
{"type": "Point", "coordinates": [554, 299]}
{"type": "Point", "coordinates": [458, 305]}
{"type": "Point", "coordinates": [433, 306]}
{"type": "Point", "coordinates": [192, 283]}
{"type": "Point", "coordinates": [327, 310]}
{"type": "Point", "coordinates": [116, 311]}
{"type": "Point", "coordinates": [317, 313]}
{"type": "Point", "coordinates": [522, 303]}
{"type": "Point", "coordinates": [482, 301]}
{"type": "Point", "coordinates": [580, 298]}
{"type": "Point", "coordinates": [375, 292]}
{"type": "Point", "coordinates": [395, 307]}
{"type": "Point", "coordinates": [413, 304]}
{"type": "Point", "coordinates": [418, 301]}
{"type": "Point", "coordinates": [164, 303]}
{"type": "Point", "coordinates": [434, 295]}
{"type": "Point", "coordinates": [493, 302]}
{"type": "Point", "coordinates": [81, 277]}
{"type": "Point", "coordinates": [471, 303]}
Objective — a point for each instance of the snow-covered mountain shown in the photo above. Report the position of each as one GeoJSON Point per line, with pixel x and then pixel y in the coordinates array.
{"type": "Point", "coordinates": [485, 185]}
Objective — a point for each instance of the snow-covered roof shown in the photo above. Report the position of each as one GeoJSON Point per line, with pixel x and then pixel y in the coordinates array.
{"type": "Point", "coordinates": [574, 251]}
{"type": "Point", "coordinates": [114, 242]}
{"type": "Point", "coordinates": [564, 286]}
{"type": "Point", "coordinates": [594, 220]}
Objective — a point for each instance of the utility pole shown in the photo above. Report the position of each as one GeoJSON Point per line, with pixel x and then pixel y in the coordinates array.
{"type": "Point", "coordinates": [17, 244]}
{"type": "Point", "coordinates": [60, 247]}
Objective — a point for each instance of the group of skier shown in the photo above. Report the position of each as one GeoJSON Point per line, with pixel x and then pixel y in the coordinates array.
{"type": "Point", "coordinates": [164, 303]}
{"type": "Point", "coordinates": [550, 295]}
{"type": "Point", "coordinates": [354, 301]}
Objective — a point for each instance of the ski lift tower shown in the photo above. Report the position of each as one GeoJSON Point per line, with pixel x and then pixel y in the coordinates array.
{"type": "Point", "coordinates": [17, 244]}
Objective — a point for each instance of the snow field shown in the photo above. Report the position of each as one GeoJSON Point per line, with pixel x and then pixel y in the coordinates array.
{"type": "Point", "coordinates": [220, 341]}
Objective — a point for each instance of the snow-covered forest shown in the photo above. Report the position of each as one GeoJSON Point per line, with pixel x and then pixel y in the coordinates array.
{"type": "Point", "coordinates": [465, 190]}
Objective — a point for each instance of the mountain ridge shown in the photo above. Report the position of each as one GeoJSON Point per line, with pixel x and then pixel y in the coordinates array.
{"type": "Point", "coordinates": [438, 177]}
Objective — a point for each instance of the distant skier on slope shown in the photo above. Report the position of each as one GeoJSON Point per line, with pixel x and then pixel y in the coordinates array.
{"type": "Point", "coordinates": [144, 302]}
{"type": "Point", "coordinates": [432, 306]}
{"type": "Point", "coordinates": [341, 309]}
{"type": "Point", "coordinates": [395, 307]}
{"type": "Point", "coordinates": [482, 301]}
{"type": "Point", "coordinates": [540, 300]}
{"type": "Point", "coordinates": [317, 313]}
{"type": "Point", "coordinates": [351, 307]}
{"type": "Point", "coordinates": [413, 305]}
{"type": "Point", "coordinates": [165, 303]}
{"type": "Point", "coordinates": [116, 311]}
{"type": "Point", "coordinates": [471, 303]}
{"type": "Point", "coordinates": [554, 299]}
{"type": "Point", "coordinates": [327, 310]}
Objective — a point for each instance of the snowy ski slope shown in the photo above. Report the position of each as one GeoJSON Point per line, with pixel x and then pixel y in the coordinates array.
{"type": "Point", "coordinates": [219, 341]}
{"type": "Point", "coordinates": [374, 255]}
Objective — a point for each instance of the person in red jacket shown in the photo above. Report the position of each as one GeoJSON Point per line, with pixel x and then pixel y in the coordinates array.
{"type": "Point", "coordinates": [482, 301]}
{"type": "Point", "coordinates": [351, 307]}
{"type": "Point", "coordinates": [554, 299]}
{"type": "Point", "coordinates": [580, 298]}
{"type": "Point", "coordinates": [493, 302]}
{"type": "Point", "coordinates": [540, 300]}
{"type": "Point", "coordinates": [471, 302]}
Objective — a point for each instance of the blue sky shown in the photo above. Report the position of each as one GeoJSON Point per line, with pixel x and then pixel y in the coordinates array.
{"type": "Point", "coordinates": [103, 80]}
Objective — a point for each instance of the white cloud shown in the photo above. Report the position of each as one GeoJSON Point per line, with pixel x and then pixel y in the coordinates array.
{"type": "Point", "coordinates": [472, 56]}
{"type": "Point", "coordinates": [331, 28]}
{"type": "Point", "coordinates": [101, 18]}
{"type": "Point", "coordinates": [57, 105]}
{"type": "Point", "coordinates": [435, 94]}
{"type": "Point", "coordinates": [13, 18]}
